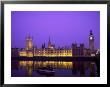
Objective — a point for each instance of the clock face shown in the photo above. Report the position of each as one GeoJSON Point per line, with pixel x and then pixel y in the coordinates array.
{"type": "Point", "coordinates": [90, 38]}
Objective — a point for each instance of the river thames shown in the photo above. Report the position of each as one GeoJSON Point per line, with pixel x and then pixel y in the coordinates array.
{"type": "Point", "coordinates": [22, 68]}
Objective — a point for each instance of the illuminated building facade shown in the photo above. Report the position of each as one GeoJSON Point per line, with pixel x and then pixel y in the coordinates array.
{"type": "Point", "coordinates": [52, 51]}
{"type": "Point", "coordinates": [50, 45]}
{"type": "Point", "coordinates": [29, 43]}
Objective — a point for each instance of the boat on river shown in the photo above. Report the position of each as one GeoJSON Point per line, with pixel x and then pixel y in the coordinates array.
{"type": "Point", "coordinates": [46, 71]}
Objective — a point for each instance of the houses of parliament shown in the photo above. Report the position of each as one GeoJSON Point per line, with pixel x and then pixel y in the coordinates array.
{"type": "Point", "coordinates": [52, 51]}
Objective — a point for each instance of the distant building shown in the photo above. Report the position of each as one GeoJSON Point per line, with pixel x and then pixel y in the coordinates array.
{"type": "Point", "coordinates": [91, 41]}
{"type": "Point", "coordinates": [87, 52]}
{"type": "Point", "coordinates": [77, 51]}
{"type": "Point", "coordinates": [29, 43]}
{"type": "Point", "coordinates": [50, 45]}
{"type": "Point", "coordinates": [52, 51]}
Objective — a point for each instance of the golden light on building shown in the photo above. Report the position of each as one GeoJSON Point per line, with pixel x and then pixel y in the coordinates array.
{"type": "Point", "coordinates": [29, 54]}
{"type": "Point", "coordinates": [29, 43]}
{"type": "Point", "coordinates": [51, 51]}
{"type": "Point", "coordinates": [22, 53]}
{"type": "Point", "coordinates": [46, 54]}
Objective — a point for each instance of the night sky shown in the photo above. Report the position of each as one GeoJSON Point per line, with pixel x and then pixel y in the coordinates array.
{"type": "Point", "coordinates": [63, 27]}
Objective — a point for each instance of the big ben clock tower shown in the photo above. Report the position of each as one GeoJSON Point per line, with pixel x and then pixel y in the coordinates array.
{"type": "Point", "coordinates": [91, 41]}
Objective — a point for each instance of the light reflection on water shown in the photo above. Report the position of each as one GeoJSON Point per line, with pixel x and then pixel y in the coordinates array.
{"type": "Point", "coordinates": [62, 68]}
{"type": "Point", "coordinates": [54, 64]}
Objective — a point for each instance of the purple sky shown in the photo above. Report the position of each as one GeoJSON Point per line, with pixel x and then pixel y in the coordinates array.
{"type": "Point", "coordinates": [63, 27]}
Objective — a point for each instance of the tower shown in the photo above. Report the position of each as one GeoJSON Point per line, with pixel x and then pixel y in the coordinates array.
{"type": "Point", "coordinates": [29, 43]}
{"type": "Point", "coordinates": [74, 49]}
{"type": "Point", "coordinates": [91, 40]}
{"type": "Point", "coordinates": [49, 43]}
{"type": "Point", "coordinates": [81, 49]}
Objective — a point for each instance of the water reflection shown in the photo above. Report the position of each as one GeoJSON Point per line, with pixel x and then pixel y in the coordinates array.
{"type": "Point", "coordinates": [54, 64]}
{"type": "Point", "coordinates": [62, 68]}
